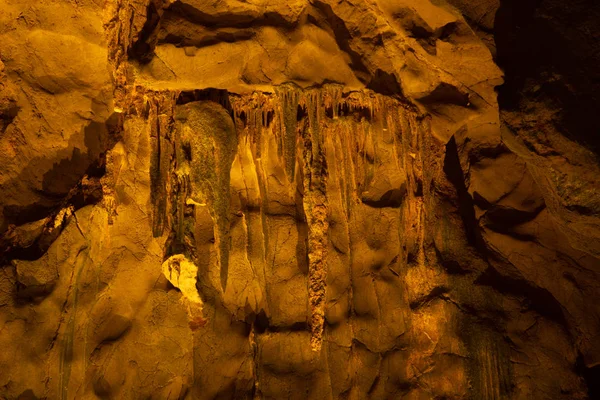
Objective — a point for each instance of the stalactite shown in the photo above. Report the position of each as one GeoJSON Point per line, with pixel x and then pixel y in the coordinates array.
{"type": "Point", "coordinates": [301, 122]}
{"type": "Point", "coordinates": [317, 218]}
{"type": "Point", "coordinates": [288, 102]}
{"type": "Point", "coordinates": [161, 127]}
{"type": "Point", "coordinates": [209, 134]}
{"type": "Point", "coordinates": [126, 29]}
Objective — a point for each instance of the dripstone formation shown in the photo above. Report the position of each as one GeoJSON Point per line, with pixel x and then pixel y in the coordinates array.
{"type": "Point", "coordinates": [308, 199]}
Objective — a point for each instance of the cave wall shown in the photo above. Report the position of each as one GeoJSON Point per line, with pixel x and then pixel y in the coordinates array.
{"type": "Point", "coordinates": [310, 199]}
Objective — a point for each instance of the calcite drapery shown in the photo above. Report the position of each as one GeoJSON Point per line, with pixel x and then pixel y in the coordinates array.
{"type": "Point", "coordinates": [320, 120]}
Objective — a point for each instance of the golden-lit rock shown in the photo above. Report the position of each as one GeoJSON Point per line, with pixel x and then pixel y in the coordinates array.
{"type": "Point", "coordinates": [308, 199]}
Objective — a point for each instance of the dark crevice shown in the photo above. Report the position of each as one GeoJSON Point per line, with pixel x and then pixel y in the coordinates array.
{"type": "Point", "coordinates": [582, 209]}
{"type": "Point", "coordinates": [446, 32]}
{"type": "Point", "coordinates": [8, 112]}
{"type": "Point", "coordinates": [219, 96]}
{"type": "Point", "coordinates": [301, 113]}
{"type": "Point", "coordinates": [466, 208]}
{"type": "Point", "coordinates": [435, 293]}
{"type": "Point", "coordinates": [385, 84]}
{"type": "Point", "coordinates": [19, 215]}
{"type": "Point", "coordinates": [262, 324]}
{"type": "Point", "coordinates": [60, 182]}
{"type": "Point", "coordinates": [591, 375]}
{"type": "Point", "coordinates": [142, 49]}
{"type": "Point", "coordinates": [343, 37]}
{"type": "Point", "coordinates": [240, 20]}
{"type": "Point", "coordinates": [187, 151]}
{"type": "Point", "coordinates": [392, 198]}
{"type": "Point", "coordinates": [453, 267]}
{"type": "Point", "coordinates": [502, 219]}
{"type": "Point", "coordinates": [69, 184]}
{"type": "Point", "coordinates": [445, 93]}
{"type": "Point", "coordinates": [185, 39]}
{"type": "Point", "coordinates": [550, 57]}
{"type": "Point", "coordinates": [33, 294]}
{"type": "Point", "coordinates": [12, 246]}
{"type": "Point", "coordinates": [534, 297]}
{"type": "Point", "coordinates": [357, 112]}
{"type": "Point", "coordinates": [479, 153]}
{"type": "Point", "coordinates": [267, 118]}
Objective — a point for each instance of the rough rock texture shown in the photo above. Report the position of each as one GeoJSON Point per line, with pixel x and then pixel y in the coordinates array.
{"type": "Point", "coordinates": [304, 199]}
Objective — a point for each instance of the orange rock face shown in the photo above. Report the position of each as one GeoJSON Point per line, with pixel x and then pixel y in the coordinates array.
{"type": "Point", "coordinates": [299, 199]}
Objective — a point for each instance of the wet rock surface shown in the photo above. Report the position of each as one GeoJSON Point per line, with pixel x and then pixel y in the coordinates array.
{"type": "Point", "coordinates": [304, 200]}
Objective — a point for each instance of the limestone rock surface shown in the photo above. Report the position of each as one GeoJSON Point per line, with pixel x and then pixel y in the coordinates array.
{"type": "Point", "coordinates": [307, 199]}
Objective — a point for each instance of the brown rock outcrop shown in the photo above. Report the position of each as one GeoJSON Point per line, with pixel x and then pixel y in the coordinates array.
{"type": "Point", "coordinates": [306, 199]}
